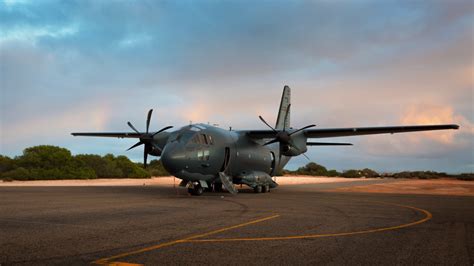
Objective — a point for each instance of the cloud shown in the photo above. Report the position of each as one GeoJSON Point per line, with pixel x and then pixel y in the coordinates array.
{"type": "Point", "coordinates": [432, 115]}
{"type": "Point", "coordinates": [349, 64]}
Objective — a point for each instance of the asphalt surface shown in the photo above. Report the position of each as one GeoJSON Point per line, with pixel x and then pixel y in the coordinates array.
{"type": "Point", "coordinates": [298, 224]}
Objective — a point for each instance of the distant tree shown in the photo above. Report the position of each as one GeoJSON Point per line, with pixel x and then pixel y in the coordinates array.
{"type": "Point", "coordinates": [466, 176]}
{"type": "Point", "coordinates": [313, 169]}
{"type": "Point", "coordinates": [45, 156]}
{"type": "Point", "coordinates": [155, 168]}
{"type": "Point", "coordinates": [129, 169]}
{"type": "Point", "coordinates": [352, 174]}
{"type": "Point", "coordinates": [104, 167]}
{"type": "Point", "coordinates": [6, 164]}
{"type": "Point", "coordinates": [369, 173]}
{"type": "Point", "coordinates": [19, 173]}
{"type": "Point", "coordinates": [47, 162]}
{"type": "Point", "coordinates": [333, 173]}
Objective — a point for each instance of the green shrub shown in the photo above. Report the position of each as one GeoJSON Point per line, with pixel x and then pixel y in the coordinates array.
{"type": "Point", "coordinates": [333, 173]}
{"type": "Point", "coordinates": [129, 169]}
{"type": "Point", "coordinates": [6, 164]}
{"type": "Point", "coordinates": [45, 156]}
{"type": "Point", "coordinates": [104, 167]}
{"type": "Point", "coordinates": [313, 169]}
{"type": "Point", "coordinates": [352, 174]}
{"type": "Point", "coordinates": [369, 173]}
{"type": "Point", "coordinates": [466, 176]}
{"type": "Point", "coordinates": [19, 173]}
{"type": "Point", "coordinates": [155, 168]}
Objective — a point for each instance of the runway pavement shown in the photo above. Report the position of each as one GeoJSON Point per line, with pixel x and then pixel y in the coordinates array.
{"type": "Point", "coordinates": [294, 224]}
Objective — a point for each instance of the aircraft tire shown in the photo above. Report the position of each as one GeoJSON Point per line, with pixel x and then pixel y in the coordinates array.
{"type": "Point", "coordinates": [196, 191]}
{"type": "Point", "coordinates": [266, 188]}
{"type": "Point", "coordinates": [257, 189]}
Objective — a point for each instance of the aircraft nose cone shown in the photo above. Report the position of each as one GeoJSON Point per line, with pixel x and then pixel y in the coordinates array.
{"type": "Point", "coordinates": [173, 158]}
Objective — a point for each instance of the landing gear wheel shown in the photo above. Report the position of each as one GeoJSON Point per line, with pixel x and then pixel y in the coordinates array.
{"type": "Point", "coordinates": [196, 191]}
{"type": "Point", "coordinates": [257, 189]}
{"type": "Point", "coordinates": [266, 188]}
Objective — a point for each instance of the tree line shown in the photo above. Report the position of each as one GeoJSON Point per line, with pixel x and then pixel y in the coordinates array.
{"type": "Point", "coordinates": [51, 162]}
{"type": "Point", "coordinates": [314, 169]}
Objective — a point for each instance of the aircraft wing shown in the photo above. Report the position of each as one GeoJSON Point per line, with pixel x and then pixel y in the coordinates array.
{"type": "Point", "coordinates": [352, 131]}
{"type": "Point", "coordinates": [110, 134]}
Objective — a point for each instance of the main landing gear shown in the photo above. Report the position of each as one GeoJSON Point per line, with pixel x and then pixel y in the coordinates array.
{"type": "Point", "coordinates": [196, 190]}
{"type": "Point", "coordinates": [261, 189]}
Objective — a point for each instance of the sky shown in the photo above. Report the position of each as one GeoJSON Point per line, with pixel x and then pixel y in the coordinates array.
{"type": "Point", "coordinates": [72, 66]}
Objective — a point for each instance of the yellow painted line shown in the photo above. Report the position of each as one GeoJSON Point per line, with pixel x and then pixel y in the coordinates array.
{"type": "Point", "coordinates": [194, 238]}
{"type": "Point", "coordinates": [118, 263]}
{"type": "Point", "coordinates": [427, 217]}
{"type": "Point", "coordinates": [106, 261]}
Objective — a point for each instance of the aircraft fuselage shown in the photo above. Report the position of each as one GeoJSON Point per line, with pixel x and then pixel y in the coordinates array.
{"type": "Point", "coordinates": [199, 152]}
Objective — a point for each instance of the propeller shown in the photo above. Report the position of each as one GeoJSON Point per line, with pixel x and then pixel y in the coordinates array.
{"type": "Point", "coordinates": [146, 138]}
{"type": "Point", "coordinates": [283, 136]}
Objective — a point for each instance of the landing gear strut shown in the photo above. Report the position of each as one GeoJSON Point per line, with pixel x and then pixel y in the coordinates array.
{"type": "Point", "coordinates": [196, 190]}
{"type": "Point", "coordinates": [217, 187]}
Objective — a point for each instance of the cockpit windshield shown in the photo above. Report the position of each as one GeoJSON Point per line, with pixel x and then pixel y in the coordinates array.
{"type": "Point", "coordinates": [191, 134]}
{"type": "Point", "coordinates": [183, 135]}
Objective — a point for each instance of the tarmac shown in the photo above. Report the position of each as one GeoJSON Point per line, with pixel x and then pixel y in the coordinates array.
{"type": "Point", "coordinates": [293, 224]}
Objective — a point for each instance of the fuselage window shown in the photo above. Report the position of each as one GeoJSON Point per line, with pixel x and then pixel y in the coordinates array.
{"type": "Point", "coordinates": [203, 155]}
{"type": "Point", "coordinates": [211, 142]}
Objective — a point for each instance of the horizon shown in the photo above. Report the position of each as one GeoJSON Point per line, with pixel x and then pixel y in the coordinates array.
{"type": "Point", "coordinates": [92, 66]}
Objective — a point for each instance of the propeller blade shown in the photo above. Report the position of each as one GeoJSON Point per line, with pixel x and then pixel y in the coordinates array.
{"type": "Point", "coordinates": [145, 156]}
{"type": "Point", "coordinates": [265, 122]}
{"type": "Point", "coordinates": [148, 120]}
{"type": "Point", "coordinates": [136, 145]}
{"type": "Point", "coordinates": [286, 116]}
{"type": "Point", "coordinates": [134, 129]}
{"type": "Point", "coordinates": [161, 130]}
{"type": "Point", "coordinates": [306, 157]}
{"type": "Point", "coordinates": [306, 127]}
{"type": "Point", "coordinates": [279, 161]}
{"type": "Point", "coordinates": [270, 142]}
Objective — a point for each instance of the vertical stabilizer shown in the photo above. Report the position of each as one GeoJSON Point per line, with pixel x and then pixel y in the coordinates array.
{"type": "Point", "coordinates": [283, 120]}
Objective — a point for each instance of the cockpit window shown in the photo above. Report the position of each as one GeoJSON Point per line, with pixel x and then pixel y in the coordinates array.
{"type": "Point", "coordinates": [182, 136]}
{"type": "Point", "coordinates": [203, 138]}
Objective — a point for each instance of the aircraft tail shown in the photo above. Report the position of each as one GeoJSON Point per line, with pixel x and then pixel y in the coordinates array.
{"type": "Point", "coordinates": [283, 120]}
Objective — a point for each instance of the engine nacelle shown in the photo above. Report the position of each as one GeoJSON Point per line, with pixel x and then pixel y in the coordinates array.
{"type": "Point", "coordinates": [156, 151]}
{"type": "Point", "coordinates": [297, 147]}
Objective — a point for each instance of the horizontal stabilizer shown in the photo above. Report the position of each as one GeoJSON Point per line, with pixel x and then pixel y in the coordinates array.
{"type": "Point", "coordinates": [327, 144]}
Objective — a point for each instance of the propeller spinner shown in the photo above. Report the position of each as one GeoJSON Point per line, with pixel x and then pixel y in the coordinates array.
{"type": "Point", "coordinates": [283, 136]}
{"type": "Point", "coordinates": [146, 138]}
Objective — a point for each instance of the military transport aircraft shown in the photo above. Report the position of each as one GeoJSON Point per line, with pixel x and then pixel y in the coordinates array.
{"type": "Point", "coordinates": [208, 157]}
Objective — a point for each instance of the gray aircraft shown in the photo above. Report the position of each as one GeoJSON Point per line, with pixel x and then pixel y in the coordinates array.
{"type": "Point", "coordinates": [209, 158]}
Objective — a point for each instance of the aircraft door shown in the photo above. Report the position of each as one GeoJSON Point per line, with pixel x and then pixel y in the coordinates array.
{"type": "Point", "coordinates": [272, 166]}
{"type": "Point", "coordinates": [226, 159]}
